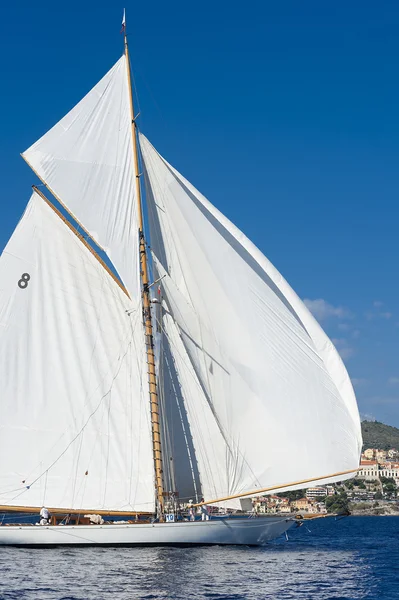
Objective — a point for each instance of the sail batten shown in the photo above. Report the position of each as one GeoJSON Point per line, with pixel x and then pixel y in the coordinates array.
{"type": "Point", "coordinates": [270, 378]}
{"type": "Point", "coordinates": [75, 426]}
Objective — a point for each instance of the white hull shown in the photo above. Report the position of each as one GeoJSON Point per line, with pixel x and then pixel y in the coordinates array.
{"type": "Point", "coordinates": [252, 532]}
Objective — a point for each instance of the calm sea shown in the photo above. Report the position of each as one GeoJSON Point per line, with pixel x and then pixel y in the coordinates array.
{"type": "Point", "coordinates": [356, 557]}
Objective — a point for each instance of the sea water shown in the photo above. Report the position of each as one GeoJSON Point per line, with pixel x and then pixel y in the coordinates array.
{"type": "Point", "coordinates": [349, 558]}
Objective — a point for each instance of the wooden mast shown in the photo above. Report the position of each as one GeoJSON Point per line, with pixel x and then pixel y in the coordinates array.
{"type": "Point", "coordinates": [149, 340]}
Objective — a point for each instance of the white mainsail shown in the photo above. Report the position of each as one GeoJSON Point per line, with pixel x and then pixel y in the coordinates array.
{"type": "Point", "coordinates": [280, 405]}
{"type": "Point", "coordinates": [86, 160]}
{"type": "Point", "coordinates": [75, 427]}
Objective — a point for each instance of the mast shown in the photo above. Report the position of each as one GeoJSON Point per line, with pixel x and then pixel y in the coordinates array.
{"type": "Point", "coordinates": [149, 340]}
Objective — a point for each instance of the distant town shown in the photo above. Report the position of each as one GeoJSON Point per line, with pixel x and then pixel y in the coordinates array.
{"type": "Point", "coordinates": [374, 491]}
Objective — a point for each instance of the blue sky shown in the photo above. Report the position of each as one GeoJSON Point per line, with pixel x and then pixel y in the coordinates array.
{"type": "Point", "coordinates": [285, 115]}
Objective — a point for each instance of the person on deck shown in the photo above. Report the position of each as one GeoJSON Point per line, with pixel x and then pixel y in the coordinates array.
{"type": "Point", "coordinates": [44, 516]}
{"type": "Point", "coordinates": [191, 511]}
{"type": "Point", "coordinates": [204, 511]}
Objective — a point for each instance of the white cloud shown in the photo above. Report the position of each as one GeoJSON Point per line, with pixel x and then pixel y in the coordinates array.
{"type": "Point", "coordinates": [344, 349]}
{"type": "Point", "coordinates": [321, 309]}
{"type": "Point", "coordinates": [376, 312]}
{"type": "Point", "coordinates": [393, 381]}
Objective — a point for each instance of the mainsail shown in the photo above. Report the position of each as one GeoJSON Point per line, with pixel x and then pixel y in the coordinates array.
{"type": "Point", "coordinates": [75, 428]}
{"type": "Point", "coordinates": [86, 160]}
{"type": "Point", "coordinates": [268, 398]}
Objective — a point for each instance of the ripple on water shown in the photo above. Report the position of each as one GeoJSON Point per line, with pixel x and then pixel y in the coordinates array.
{"type": "Point", "coordinates": [350, 559]}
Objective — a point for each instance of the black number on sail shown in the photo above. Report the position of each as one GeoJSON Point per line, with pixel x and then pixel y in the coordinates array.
{"type": "Point", "coordinates": [23, 282]}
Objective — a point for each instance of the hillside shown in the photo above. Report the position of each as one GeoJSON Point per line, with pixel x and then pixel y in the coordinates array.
{"type": "Point", "coordinates": [378, 435]}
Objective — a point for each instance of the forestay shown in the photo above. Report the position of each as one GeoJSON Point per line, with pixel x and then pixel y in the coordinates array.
{"type": "Point", "coordinates": [75, 429]}
{"type": "Point", "coordinates": [270, 400]}
{"type": "Point", "coordinates": [86, 160]}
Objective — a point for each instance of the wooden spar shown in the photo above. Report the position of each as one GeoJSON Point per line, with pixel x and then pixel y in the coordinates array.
{"type": "Point", "coordinates": [82, 239]}
{"type": "Point", "coordinates": [73, 511]}
{"type": "Point", "coordinates": [61, 202]}
{"type": "Point", "coordinates": [154, 404]}
{"type": "Point", "coordinates": [276, 487]}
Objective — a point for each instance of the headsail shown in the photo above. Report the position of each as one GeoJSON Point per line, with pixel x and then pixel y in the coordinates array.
{"type": "Point", "coordinates": [86, 160]}
{"type": "Point", "coordinates": [275, 387]}
{"type": "Point", "coordinates": [75, 429]}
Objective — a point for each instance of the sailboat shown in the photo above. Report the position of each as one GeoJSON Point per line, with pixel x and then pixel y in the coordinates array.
{"type": "Point", "coordinates": [143, 364]}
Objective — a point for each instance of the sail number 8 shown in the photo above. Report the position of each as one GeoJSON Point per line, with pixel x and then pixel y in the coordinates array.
{"type": "Point", "coordinates": [23, 282]}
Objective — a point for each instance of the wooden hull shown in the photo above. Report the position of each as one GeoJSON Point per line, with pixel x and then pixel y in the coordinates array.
{"type": "Point", "coordinates": [246, 531]}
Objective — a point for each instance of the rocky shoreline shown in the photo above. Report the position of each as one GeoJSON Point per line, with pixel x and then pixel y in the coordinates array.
{"type": "Point", "coordinates": [375, 512]}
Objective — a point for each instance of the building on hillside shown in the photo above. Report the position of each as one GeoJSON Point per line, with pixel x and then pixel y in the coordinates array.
{"type": "Point", "coordinates": [359, 495]}
{"type": "Point", "coordinates": [312, 509]}
{"type": "Point", "coordinates": [269, 504]}
{"type": "Point", "coordinates": [381, 456]}
{"type": "Point", "coordinates": [368, 470]}
{"type": "Point", "coordinates": [390, 470]}
{"type": "Point", "coordinates": [370, 453]}
{"type": "Point", "coordinates": [316, 492]}
{"type": "Point", "coordinates": [317, 508]}
{"type": "Point", "coordinates": [260, 504]}
{"type": "Point", "coordinates": [284, 508]}
{"type": "Point", "coordinates": [277, 499]}
{"type": "Point", "coordinates": [392, 453]}
{"type": "Point", "coordinates": [302, 504]}
{"type": "Point", "coordinates": [284, 501]}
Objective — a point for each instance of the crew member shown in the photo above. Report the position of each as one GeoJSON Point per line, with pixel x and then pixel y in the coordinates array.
{"type": "Point", "coordinates": [204, 511]}
{"type": "Point", "coordinates": [44, 516]}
